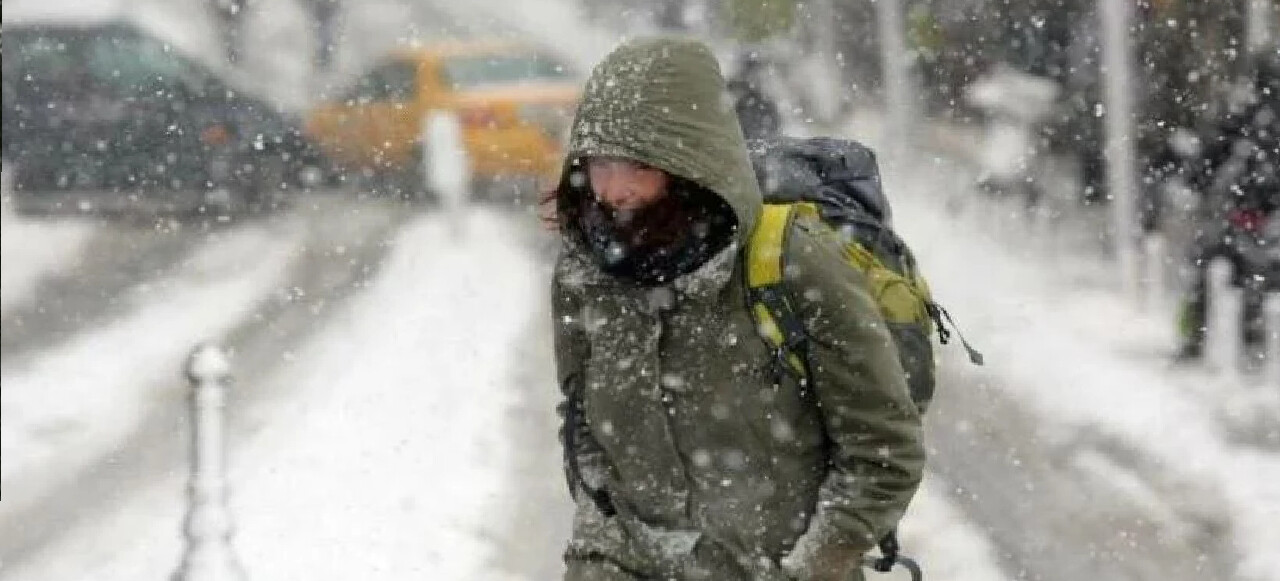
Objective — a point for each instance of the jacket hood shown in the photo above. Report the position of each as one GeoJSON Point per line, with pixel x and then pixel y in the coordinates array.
{"type": "Point", "coordinates": [662, 102]}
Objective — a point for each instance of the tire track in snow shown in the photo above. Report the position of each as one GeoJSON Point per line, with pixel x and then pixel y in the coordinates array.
{"type": "Point", "coordinates": [1061, 504]}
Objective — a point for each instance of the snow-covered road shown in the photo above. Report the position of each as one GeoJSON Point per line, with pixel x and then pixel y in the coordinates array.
{"type": "Point", "coordinates": [98, 408]}
{"type": "Point", "coordinates": [391, 457]}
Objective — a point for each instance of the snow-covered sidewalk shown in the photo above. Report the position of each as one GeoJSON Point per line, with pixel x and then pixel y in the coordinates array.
{"type": "Point", "coordinates": [1059, 337]}
{"type": "Point", "coordinates": [393, 464]}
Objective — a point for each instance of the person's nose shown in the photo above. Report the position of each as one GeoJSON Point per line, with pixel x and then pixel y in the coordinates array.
{"type": "Point", "coordinates": [613, 189]}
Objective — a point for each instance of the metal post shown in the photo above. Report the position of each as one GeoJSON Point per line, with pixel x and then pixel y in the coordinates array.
{"type": "Point", "coordinates": [829, 84]}
{"type": "Point", "coordinates": [1223, 340]}
{"type": "Point", "coordinates": [1121, 159]}
{"type": "Point", "coordinates": [1260, 27]}
{"type": "Point", "coordinates": [1271, 308]}
{"type": "Point", "coordinates": [325, 15]}
{"type": "Point", "coordinates": [208, 555]}
{"type": "Point", "coordinates": [895, 61]}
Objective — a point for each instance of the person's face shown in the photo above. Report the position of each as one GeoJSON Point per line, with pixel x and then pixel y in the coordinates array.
{"type": "Point", "coordinates": [624, 185]}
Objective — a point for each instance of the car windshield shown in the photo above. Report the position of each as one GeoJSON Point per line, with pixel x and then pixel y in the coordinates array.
{"type": "Point", "coordinates": [117, 60]}
{"type": "Point", "coordinates": [469, 72]}
{"type": "Point", "coordinates": [390, 81]}
{"type": "Point", "coordinates": [43, 58]}
{"type": "Point", "coordinates": [134, 63]}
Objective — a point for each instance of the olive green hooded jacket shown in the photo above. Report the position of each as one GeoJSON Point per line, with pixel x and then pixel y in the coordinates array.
{"type": "Point", "coordinates": [718, 464]}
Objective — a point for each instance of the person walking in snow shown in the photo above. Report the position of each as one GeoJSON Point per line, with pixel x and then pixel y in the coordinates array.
{"type": "Point", "coordinates": [325, 15]}
{"type": "Point", "coordinates": [757, 112]}
{"type": "Point", "coordinates": [1238, 175]}
{"type": "Point", "coordinates": [690, 452]}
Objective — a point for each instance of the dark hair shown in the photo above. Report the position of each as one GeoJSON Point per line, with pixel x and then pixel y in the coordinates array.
{"type": "Point", "coordinates": [548, 208]}
{"type": "Point", "coordinates": [558, 205]}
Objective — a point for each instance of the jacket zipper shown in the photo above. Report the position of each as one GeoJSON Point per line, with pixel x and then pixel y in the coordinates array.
{"type": "Point", "coordinates": [668, 407]}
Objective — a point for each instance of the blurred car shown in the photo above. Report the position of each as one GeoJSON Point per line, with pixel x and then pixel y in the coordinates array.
{"type": "Point", "coordinates": [514, 102]}
{"type": "Point", "coordinates": [117, 119]}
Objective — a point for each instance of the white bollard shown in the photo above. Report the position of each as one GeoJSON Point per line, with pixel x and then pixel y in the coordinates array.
{"type": "Point", "coordinates": [1223, 340]}
{"type": "Point", "coordinates": [1154, 255]}
{"type": "Point", "coordinates": [1271, 308]}
{"type": "Point", "coordinates": [448, 167]}
{"type": "Point", "coordinates": [208, 555]}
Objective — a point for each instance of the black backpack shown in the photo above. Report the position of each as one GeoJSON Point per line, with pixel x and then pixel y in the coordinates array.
{"type": "Point", "coordinates": [838, 182]}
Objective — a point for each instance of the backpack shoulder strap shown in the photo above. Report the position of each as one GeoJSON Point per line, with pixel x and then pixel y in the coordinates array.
{"type": "Point", "coordinates": [777, 320]}
{"type": "Point", "coordinates": [764, 250]}
{"type": "Point", "coordinates": [771, 305]}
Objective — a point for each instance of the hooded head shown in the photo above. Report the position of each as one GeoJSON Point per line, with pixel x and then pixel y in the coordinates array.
{"type": "Point", "coordinates": [661, 103]}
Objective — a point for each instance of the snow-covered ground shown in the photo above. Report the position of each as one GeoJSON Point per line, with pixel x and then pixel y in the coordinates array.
{"type": "Point", "coordinates": [1057, 332]}
{"type": "Point", "coordinates": [388, 464]}
{"type": "Point", "coordinates": [946, 543]}
{"type": "Point", "coordinates": [73, 402]}
{"type": "Point", "coordinates": [407, 493]}
{"type": "Point", "coordinates": [392, 458]}
{"type": "Point", "coordinates": [31, 250]}
{"type": "Point", "coordinates": [388, 457]}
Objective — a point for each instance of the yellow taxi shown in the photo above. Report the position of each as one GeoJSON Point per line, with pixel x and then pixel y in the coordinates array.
{"type": "Point", "coordinates": [514, 101]}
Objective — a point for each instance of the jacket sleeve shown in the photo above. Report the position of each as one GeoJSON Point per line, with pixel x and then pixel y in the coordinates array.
{"type": "Point", "coordinates": [572, 350]}
{"type": "Point", "coordinates": [874, 431]}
